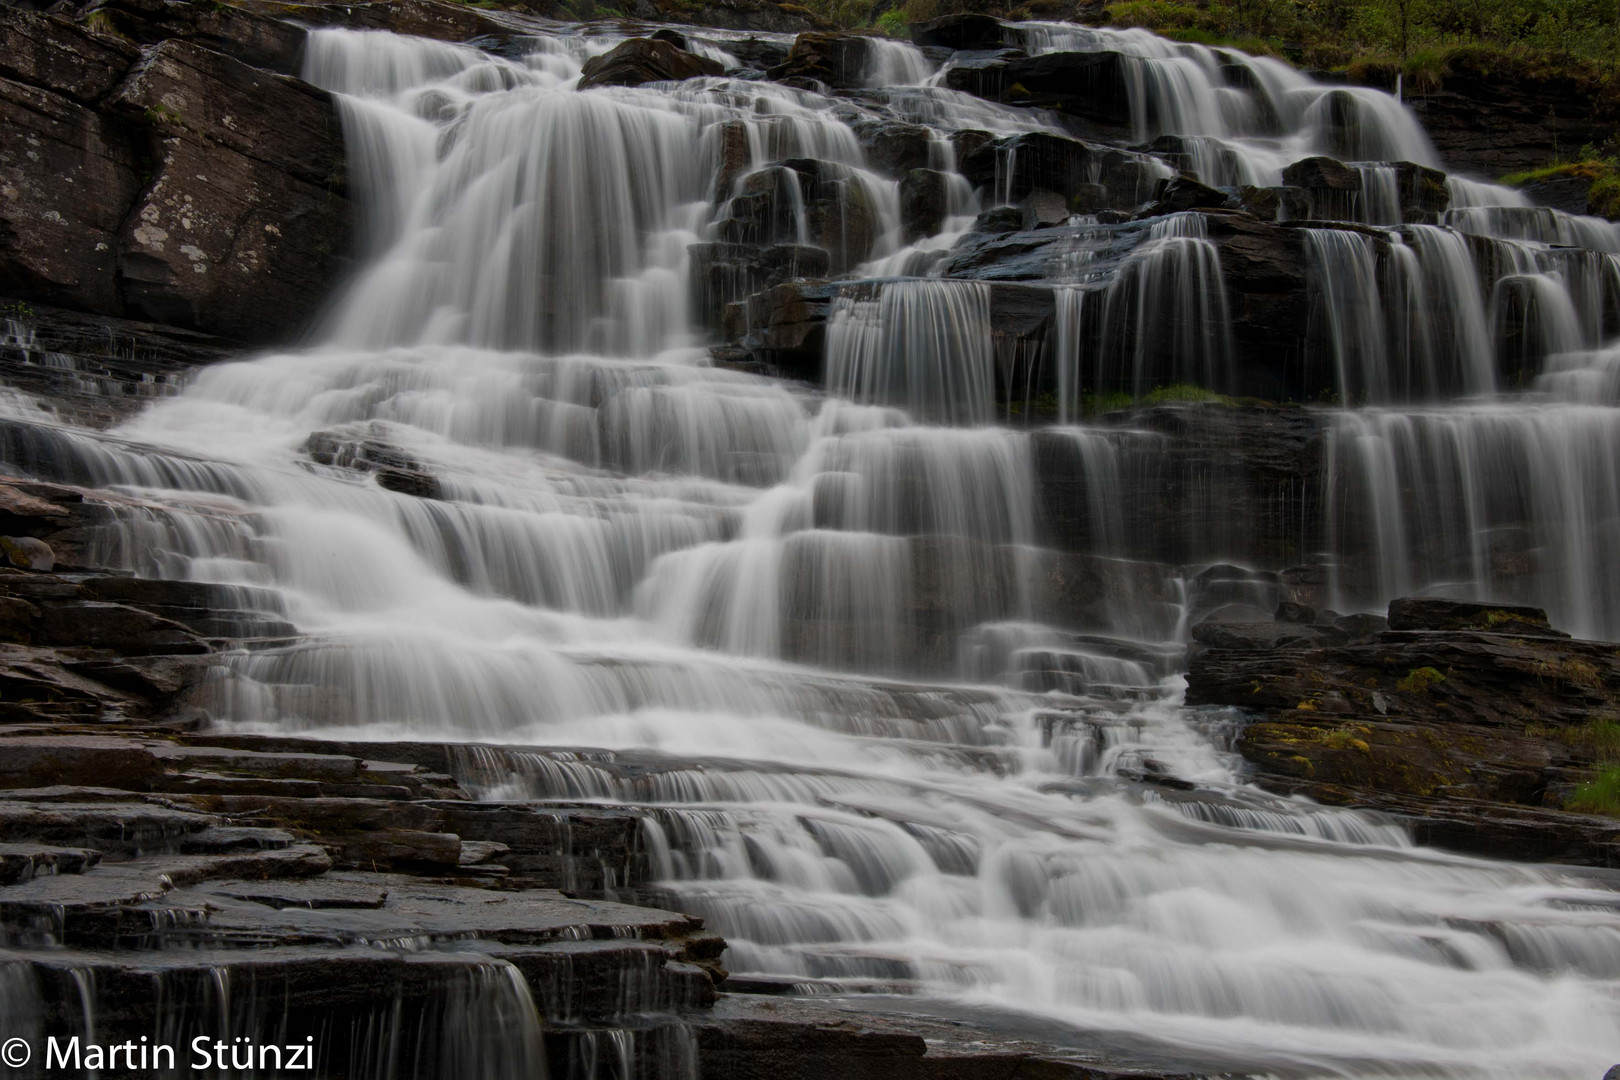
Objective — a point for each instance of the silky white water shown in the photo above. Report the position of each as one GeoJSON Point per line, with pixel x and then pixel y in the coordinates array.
{"type": "Point", "coordinates": [881, 748]}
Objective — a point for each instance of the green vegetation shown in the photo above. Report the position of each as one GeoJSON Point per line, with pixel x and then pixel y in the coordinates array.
{"type": "Point", "coordinates": [1600, 795]}
{"type": "Point", "coordinates": [1092, 404]}
{"type": "Point", "coordinates": [1418, 680]}
{"type": "Point", "coordinates": [16, 309]}
{"type": "Point", "coordinates": [1421, 39]}
{"type": "Point", "coordinates": [1598, 166]}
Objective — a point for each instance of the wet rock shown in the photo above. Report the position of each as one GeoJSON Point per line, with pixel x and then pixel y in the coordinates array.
{"type": "Point", "coordinates": [250, 251]}
{"type": "Point", "coordinates": [24, 862]}
{"type": "Point", "coordinates": [60, 56]}
{"type": "Point", "coordinates": [965, 31]}
{"type": "Point", "coordinates": [83, 760]}
{"type": "Point", "coordinates": [1091, 87]}
{"type": "Point", "coordinates": [1322, 174]}
{"type": "Point", "coordinates": [924, 199]}
{"type": "Point", "coordinates": [1423, 193]}
{"type": "Point", "coordinates": [365, 452]}
{"type": "Point", "coordinates": [1183, 193]}
{"type": "Point", "coordinates": [838, 60]}
{"type": "Point", "coordinates": [68, 175]}
{"type": "Point", "coordinates": [254, 38]}
{"type": "Point", "coordinates": [226, 838]}
{"type": "Point", "coordinates": [999, 220]}
{"type": "Point", "coordinates": [1037, 161]}
{"type": "Point", "coordinates": [27, 552]}
{"type": "Point", "coordinates": [321, 893]}
{"type": "Point", "coordinates": [724, 274]}
{"type": "Point", "coordinates": [1043, 209]}
{"type": "Point", "coordinates": [784, 326]}
{"type": "Point", "coordinates": [894, 149]}
{"type": "Point", "coordinates": [1440, 613]}
{"type": "Point", "coordinates": [1470, 733]}
{"type": "Point", "coordinates": [838, 214]}
{"type": "Point", "coordinates": [644, 60]}
{"type": "Point", "coordinates": [1245, 628]}
{"type": "Point", "coordinates": [126, 630]}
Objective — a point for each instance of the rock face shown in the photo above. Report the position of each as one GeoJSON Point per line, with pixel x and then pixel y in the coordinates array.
{"type": "Point", "coordinates": [645, 60]}
{"type": "Point", "coordinates": [1091, 87]}
{"type": "Point", "coordinates": [258, 239]}
{"type": "Point", "coordinates": [838, 60]}
{"type": "Point", "coordinates": [1472, 722]}
{"type": "Point", "coordinates": [185, 186]}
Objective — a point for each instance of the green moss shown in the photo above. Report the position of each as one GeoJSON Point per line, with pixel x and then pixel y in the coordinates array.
{"type": "Point", "coordinates": [162, 116]}
{"type": "Point", "coordinates": [1418, 680]}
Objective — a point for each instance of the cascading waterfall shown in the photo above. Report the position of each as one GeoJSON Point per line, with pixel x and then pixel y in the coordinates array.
{"type": "Point", "coordinates": [692, 572]}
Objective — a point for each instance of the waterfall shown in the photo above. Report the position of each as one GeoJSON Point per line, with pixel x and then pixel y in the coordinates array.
{"type": "Point", "coordinates": [924, 345]}
{"type": "Point", "coordinates": [881, 676]}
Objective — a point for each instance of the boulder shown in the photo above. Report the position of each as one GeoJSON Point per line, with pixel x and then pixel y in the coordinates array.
{"type": "Point", "coordinates": [1037, 161]}
{"type": "Point", "coordinates": [723, 274]}
{"type": "Point", "coordinates": [27, 552]}
{"type": "Point", "coordinates": [924, 195]}
{"type": "Point", "coordinates": [253, 37]}
{"type": "Point", "coordinates": [894, 149]}
{"type": "Point", "coordinates": [1043, 209]}
{"type": "Point", "coordinates": [645, 60]}
{"type": "Point", "coordinates": [1183, 193]}
{"type": "Point", "coordinates": [837, 60]}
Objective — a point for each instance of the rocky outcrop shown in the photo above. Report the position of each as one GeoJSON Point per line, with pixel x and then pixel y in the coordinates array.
{"type": "Point", "coordinates": [255, 241]}
{"type": "Point", "coordinates": [644, 60]}
{"type": "Point", "coordinates": [836, 60]}
{"type": "Point", "coordinates": [1090, 87]}
{"type": "Point", "coordinates": [170, 183]}
{"type": "Point", "coordinates": [964, 31]}
{"type": "Point", "coordinates": [1473, 723]}
{"type": "Point", "coordinates": [837, 207]}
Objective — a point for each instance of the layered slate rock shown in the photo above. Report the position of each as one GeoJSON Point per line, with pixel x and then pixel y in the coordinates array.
{"type": "Point", "coordinates": [1091, 87]}
{"type": "Point", "coordinates": [1472, 723]}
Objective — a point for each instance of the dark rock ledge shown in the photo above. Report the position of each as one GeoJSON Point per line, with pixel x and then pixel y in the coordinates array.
{"type": "Point", "coordinates": [1472, 723]}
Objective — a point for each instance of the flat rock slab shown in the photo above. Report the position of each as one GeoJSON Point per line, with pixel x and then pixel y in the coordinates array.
{"type": "Point", "coordinates": [330, 892]}
{"type": "Point", "coordinates": [24, 862]}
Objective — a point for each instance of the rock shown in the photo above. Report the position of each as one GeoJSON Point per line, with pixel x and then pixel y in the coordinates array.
{"type": "Point", "coordinates": [724, 274]}
{"type": "Point", "coordinates": [27, 553]}
{"type": "Point", "coordinates": [837, 205]}
{"type": "Point", "coordinates": [392, 467]}
{"type": "Point", "coordinates": [1183, 193]}
{"type": "Point", "coordinates": [1439, 613]}
{"type": "Point", "coordinates": [255, 38]}
{"type": "Point", "coordinates": [1263, 203]}
{"type": "Point", "coordinates": [637, 61]}
{"type": "Point", "coordinates": [59, 56]}
{"type": "Point", "coordinates": [838, 60]}
{"type": "Point", "coordinates": [999, 219]}
{"type": "Point", "coordinates": [894, 149]}
{"type": "Point", "coordinates": [84, 760]}
{"type": "Point", "coordinates": [924, 198]}
{"type": "Point", "coordinates": [735, 154]}
{"type": "Point", "coordinates": [784, 326]}
{"type": "Point", "coordinates": [1091, 87]}
{"type": "Point", "coordinates": [1295, 612]}
{"type": "Point", "coordinates": [1043, 209]}
{"type": "Point", "coordinates": [249, 251]}
{"type": "Point", "coordinates": [1571, 194]}
{"type": "Point", "coordinates": [1423, 193]}
{"type": "Point", "coordinates": [964, 31]}
{"type": "Point", "coordinates": [1322, 174]}
{"type": "Point", "coordinates": [68, 176]}
{"type": "Point", "coordinates": [1467, 732]}
{"type": "Point", "coordinates": [1244, 628]}
{"type": "Point", "coordinates": [1038, 161]}
{"type": "Point", "coordinates": [93, 370]}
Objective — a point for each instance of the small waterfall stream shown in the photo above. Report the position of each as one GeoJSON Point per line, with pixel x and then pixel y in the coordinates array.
{"type": "Point", "coordinates": [878, 717]}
